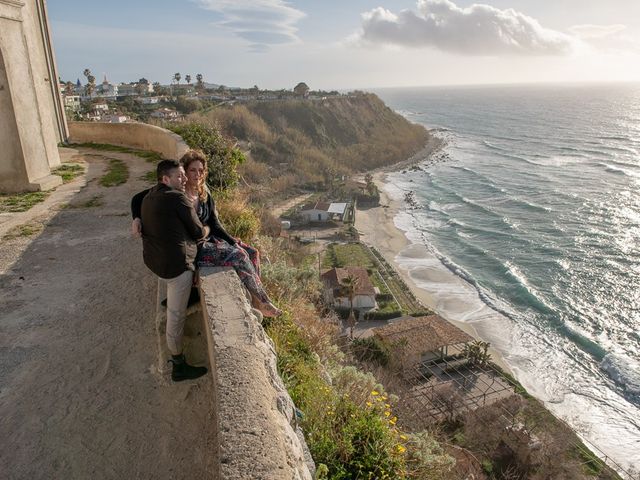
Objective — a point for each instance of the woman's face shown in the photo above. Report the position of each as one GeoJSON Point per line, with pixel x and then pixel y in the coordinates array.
{"type": "Point", "coordinates": [195, 173]}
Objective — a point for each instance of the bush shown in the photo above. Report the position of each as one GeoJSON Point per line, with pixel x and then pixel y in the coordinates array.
{"type": "Point", "coordinates": [370, 349]}
{"type": "Point", "coordinates": [384, 315]}
{"type": "Point", "coordinates": [222, 157]}
{"type": "Point", "coordinates": [238, 218]}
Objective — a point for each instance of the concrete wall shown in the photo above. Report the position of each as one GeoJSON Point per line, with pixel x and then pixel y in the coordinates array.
{"type": "Point", "coordinates": [29, 148]}
{"type": "Point", "coordinates": [258, 435]}
{"type": "Point", "coordinates": [134, 135]}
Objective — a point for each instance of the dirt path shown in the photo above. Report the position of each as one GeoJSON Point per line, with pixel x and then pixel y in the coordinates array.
{"type": "Point", "coordinates": [79, 396]}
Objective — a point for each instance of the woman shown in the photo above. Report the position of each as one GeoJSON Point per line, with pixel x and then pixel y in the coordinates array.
{"type": "Point", "coordinates": [220, 249]}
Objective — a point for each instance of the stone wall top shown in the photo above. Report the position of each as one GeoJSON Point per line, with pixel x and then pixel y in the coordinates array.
{"type": "Point", "coordinates": [135, 135]}
{"type": "Point", "coordinates": [258, 435]}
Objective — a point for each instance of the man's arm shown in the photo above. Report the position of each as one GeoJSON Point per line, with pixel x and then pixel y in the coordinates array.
{"type": "Point", "coordinates": [136, 213]}
{"type": "Point", "coordinates": [187, 215]}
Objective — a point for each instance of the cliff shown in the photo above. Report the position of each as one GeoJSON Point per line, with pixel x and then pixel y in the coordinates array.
{"type": "Point", "coordinates": [307, 142]}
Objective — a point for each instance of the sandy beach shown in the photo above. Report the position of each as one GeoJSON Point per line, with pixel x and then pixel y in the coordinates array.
{"type": "Point", "coordinates": [377, 228]}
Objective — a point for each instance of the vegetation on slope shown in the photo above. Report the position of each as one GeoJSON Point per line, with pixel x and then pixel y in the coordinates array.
{"type": "Point", "coordinates": [307, 143]}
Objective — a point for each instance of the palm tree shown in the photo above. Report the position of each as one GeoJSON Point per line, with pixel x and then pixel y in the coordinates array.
{"type": "Point", "coordinates": [187, 77]}
{"type": "Point", "coordinates": [91, 82]}
{"type": "Point", "coordinates": [349, 285]}
{"type": "Point", "coordinates": [199, 83]}
{"type": "Point", "coordinates": [177, 77]}
{"type": "Point", "coordinates": [476, 353]}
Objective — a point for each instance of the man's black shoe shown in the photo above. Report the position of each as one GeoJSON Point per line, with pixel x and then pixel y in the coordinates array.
{"type": "Point", "coordinates": [194, 297]}
{"type": "Point", "coordinates": [183, 371]}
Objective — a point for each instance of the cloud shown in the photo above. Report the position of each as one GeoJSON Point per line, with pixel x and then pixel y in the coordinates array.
{"type": "Point", "coordinates": [261, 22]}
{"type": "Point", "coordinates": [607, 38]}
{"type": "Point", "coordinates": [596, 31]}
{"type": "Point", "coordinates": [476, 30]}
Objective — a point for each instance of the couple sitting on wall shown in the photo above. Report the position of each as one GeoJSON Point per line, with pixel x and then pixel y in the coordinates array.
{"type": "Point", "coordinates": [179, 225]}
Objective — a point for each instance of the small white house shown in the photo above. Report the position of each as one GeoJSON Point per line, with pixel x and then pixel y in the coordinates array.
{"type": "Point", "coordinates": [72, 102]}
{"type": "Point", "coordinates": [165, 114]}
{"type": "Point", "coordinates": [148, 100]}
{"type": "Point", "coordinates": [115, 118]}
{"type": "Point", "coordinates": [315, 212]}
{"type": "Point", "coordinates": [335, 294]}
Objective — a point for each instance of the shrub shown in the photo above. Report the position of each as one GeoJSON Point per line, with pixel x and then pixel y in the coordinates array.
{"type": "Point", "coordinates": [370, 349]}
{"type": "Point", "coordinates": [238, 218]}
{"type": "Point", "coordinates": [222, 157]}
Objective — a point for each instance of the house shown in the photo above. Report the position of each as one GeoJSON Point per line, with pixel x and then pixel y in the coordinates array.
{"type": "Point", "coordinates": [117, 118]}
{"type": "Point", "coordinates": [148, 100]}
{"type": "Point", "coordinates": [165, 114]}
{"type": "Point", "coordinates": [315, 212]}
{"type": "Point", "coordinates": [413, 341]}
{"type": "Point", "coordinates": [323, 211]}
{"type": "Point", "coordinates": [71, 102]}
{"type": "Point", "coordinates": [334, 292]}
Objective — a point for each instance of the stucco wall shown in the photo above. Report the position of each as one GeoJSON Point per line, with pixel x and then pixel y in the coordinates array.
{"type": "Point", "coordinates": [257, 425]}
{"type": "Point", "coordinates": [26, 86]}
{"type": "Point", "coordinates": [134, 135]}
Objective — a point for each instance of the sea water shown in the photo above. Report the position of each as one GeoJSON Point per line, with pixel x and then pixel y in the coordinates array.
{"type": "Point", "coordinates": [527, 225]}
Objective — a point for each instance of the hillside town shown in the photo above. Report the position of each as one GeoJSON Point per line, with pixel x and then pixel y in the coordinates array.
{"type": "Point", "coordinates": [144, 100]}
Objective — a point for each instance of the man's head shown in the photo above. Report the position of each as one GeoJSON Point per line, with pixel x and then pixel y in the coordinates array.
{"type": "Point", "coordinates": [171, 173]}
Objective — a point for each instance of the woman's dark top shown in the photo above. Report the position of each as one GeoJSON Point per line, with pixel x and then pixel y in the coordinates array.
{"type": "Point", "coordinates": [206, 212]}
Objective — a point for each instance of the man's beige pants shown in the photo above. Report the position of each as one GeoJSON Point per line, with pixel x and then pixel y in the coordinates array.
{"type": "Point", "coordinates": [178, 290]}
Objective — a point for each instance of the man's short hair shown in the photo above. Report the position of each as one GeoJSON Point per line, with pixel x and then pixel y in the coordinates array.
{"type": "Point", "coordinates": [165, 167]}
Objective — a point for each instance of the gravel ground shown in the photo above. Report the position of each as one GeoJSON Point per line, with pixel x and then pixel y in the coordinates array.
{"type": "Point", "coordinates": [80, 396]}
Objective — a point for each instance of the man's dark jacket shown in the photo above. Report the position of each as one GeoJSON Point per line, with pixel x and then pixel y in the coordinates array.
{"type": "Point", "coordinates": [170, 229]}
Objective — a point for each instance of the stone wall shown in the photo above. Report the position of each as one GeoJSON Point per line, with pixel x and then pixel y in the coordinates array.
{"type": "Point", "coordinates": [135, 135]}
{"type": "Point", "coordinates": [257, 429]}
{"type": "Point", "coordinates": [31, 119]}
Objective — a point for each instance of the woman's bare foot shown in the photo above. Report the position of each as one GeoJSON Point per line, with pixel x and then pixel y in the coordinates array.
{"type": "Point", "coordinates": [269, 310]}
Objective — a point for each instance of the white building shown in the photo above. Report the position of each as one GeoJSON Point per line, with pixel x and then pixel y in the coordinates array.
{"type": "Point", "coordinates": [71, 102]}
{"type": "Point", "coordinates": [148, 100]}
{"type": "Point", "coordinates": [115, 118]}
{"type": "Point", "coordinates": [315, 212]}
{"type": "Point", "coordinates": [335, 294]}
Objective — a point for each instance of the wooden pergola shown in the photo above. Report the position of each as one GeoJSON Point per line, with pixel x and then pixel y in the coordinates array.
{"type": "Point", "coordinates": [415, 340]}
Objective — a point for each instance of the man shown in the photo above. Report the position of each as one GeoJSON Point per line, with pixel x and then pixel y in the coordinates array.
{"type": "Point", "coordinates": [170, 232]}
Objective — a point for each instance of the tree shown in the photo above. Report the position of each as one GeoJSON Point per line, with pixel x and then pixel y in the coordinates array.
{"type": "Point", "coordinates": [143, 81]}
{"type": "Point", "coordinates": [91, 82]}
{"type": "Point", "coordinates": [141, 88]}
{"type": "Point", "coordinates": [68, 88]}
{"type": "Point", "coordinates": [301, 89]}
{"type": "Point", "coordinates": [177, 77]}
{"type": "Point", "coordinates": [199, 83]}
{"type": "Point", "coordinates": [476, 352]}
{"type": "Point", "coordinates": [349, 285]}
{"type": "Point", "coordinates": [187, 78]}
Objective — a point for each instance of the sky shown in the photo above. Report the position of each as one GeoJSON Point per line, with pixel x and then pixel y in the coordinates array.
{"type": "Point", "coordinates": [347, 44]}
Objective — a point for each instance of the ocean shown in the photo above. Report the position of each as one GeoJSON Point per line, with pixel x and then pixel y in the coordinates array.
{"type": "Point", "coordinates": [527, 226]}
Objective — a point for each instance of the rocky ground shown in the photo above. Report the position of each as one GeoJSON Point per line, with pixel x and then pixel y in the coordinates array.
{"type": "Point", "coordinates": [80, 392]}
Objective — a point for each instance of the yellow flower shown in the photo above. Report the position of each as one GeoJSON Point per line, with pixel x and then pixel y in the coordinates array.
{"type": "Point", "coordinates": [369, 404]}
{"type": "Point", "coordinates": [401, 449]}
{"type": "Point", "coordinates": [387, 413]}
{"type": "Point", "coordinates": [375, 392]}
{"type": "Point", "coordinates": [393, 420]}
{"type": "Point", "coordinates": [403, 437]}
{"type": "Point", "coordinates": [387, 405]}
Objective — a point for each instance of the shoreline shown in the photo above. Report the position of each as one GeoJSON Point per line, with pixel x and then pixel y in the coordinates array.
{"type": "Point", "coordinates": [377, 228]}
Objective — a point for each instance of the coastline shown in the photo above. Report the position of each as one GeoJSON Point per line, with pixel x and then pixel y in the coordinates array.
{"type": "Point", "coordinates": [377, 228]}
